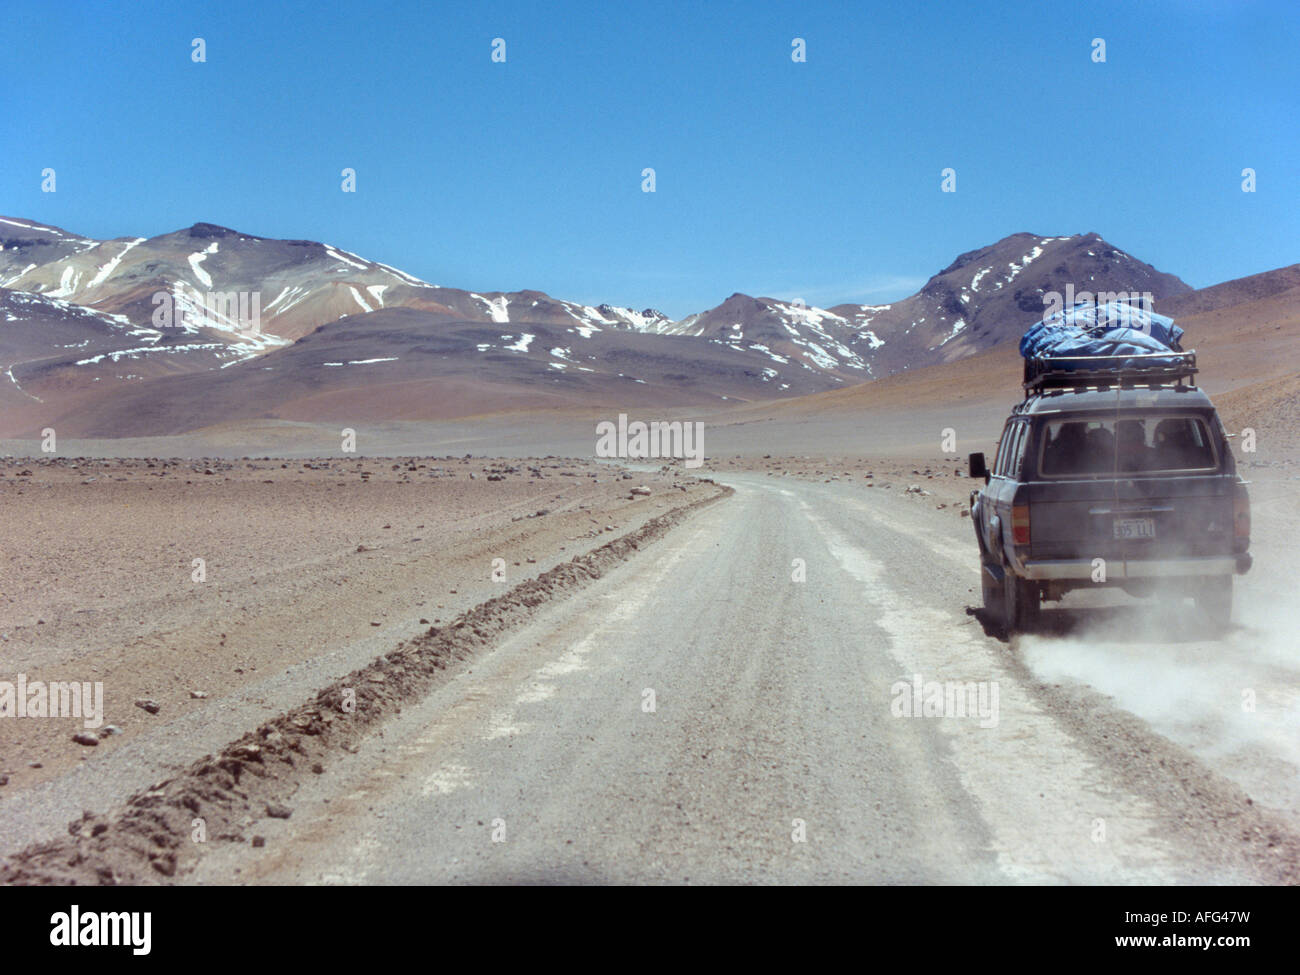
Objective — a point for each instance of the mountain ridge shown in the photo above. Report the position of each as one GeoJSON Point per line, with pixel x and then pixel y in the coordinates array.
{"type": "Point", "coordinates": [333, 324]}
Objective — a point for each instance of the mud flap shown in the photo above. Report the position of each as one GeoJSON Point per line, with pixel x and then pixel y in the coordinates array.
{"type": "Point", "coordinates": [992, 578]}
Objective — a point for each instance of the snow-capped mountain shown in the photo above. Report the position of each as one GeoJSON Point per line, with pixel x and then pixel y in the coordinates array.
{"type": "Point", "coordinates": [281, 317]}
{"type": "Point", "coordinates": [785, 333]}
{"type": "Point", "coordinates": [984, 297]}
{"type": "Point", "coordinates": [993, 294]}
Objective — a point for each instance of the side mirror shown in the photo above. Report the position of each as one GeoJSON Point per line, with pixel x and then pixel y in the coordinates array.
{"type": "Point", "coordinates": [977, 466]}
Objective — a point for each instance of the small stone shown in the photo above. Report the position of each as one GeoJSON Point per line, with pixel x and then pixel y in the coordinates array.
{"type": "Point", "coordinates": [109, 730]}
{"type": "Point", "coordinates": [85, 738]}
{"type": "Point", "coordinates": [317, 768]}
{"type": "Point", "coordinates": [165, 863]}
{"type": "Point", "coordinates": [259, 841]}
{"type": "Point", "coordinates": [153, 707]}
{"type": "Point", "coordinates": [278, 810]}
{"type": "Point", "coordinates": [198, 695]}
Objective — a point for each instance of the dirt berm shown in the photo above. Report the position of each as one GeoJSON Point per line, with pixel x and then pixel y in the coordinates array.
{"type": "Point", "coordinates": [160, 833]}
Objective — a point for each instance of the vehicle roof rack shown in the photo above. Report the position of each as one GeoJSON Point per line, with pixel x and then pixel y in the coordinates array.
{"type": "Point", "coordinates": [1155, 370]}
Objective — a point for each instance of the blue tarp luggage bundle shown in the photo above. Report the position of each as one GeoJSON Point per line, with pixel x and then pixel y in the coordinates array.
{"type": "Point", "coordinates": [1116, 328]}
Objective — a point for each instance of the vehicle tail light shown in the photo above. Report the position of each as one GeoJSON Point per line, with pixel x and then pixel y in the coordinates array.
{"type": "Point", "coordinates": [1020, 524]}
{"type": "Point", "coordinates": [1240, 514]}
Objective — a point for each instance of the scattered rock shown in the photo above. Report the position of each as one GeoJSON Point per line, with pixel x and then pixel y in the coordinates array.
{"type": "Point", "coordinates": [641, 489]}
{"type": "Point", "coordinates": [259, 841]}
{"type": "Point", "coordinates": [153, 707]}
{"type": "Point", "coordinates": [165, 863]}
{"type": "Point", "coordinates": [85, 738]}
{"type": "Point", "coordinates": [278, 810]}
{"type": "Point", "coordinates": [198, 695]}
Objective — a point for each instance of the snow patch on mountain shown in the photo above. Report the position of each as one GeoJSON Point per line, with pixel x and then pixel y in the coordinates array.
{"type": "Point", "coordinates": [360, 301]}
{"type": "Point", "coordinates": [333, 252]}
{"type": "Point", "coordinates": [496, 307]}
{"type": "Point", "coordinates": [9, 281]}
{"type": "Point", "coordinates": [957, 328]}
{"type": "Point", "coordinates": [67, 283]}
{"type": "Point", "coordinates": [106, 269]}
{"type": "Point", "coordinates": [196, 260]}
{"type": "Point", "coordinates": [404, 277]}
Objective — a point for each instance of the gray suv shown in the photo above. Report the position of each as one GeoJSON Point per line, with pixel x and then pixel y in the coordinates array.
{"type": "Point", "coordinates": [1113, 471]}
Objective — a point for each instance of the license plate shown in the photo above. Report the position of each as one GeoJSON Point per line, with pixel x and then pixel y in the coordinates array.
{"type": "Point", "coordinates": [1135, 528]}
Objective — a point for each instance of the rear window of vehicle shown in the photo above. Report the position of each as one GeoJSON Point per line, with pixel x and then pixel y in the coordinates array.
{"type": "Point", "coordinates": [1130, 444]}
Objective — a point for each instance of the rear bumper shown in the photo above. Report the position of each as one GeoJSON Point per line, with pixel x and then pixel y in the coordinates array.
{"type": "Point", "coordinates": [1218, 565]}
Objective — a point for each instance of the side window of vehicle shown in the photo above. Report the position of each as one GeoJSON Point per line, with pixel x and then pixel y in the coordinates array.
{"type": "Point", "coordinates": [1011, 443]}
{"type": "Point", "coordinates": [1018, 452]}
{"type": "Point", "coordinates": [1004, 447]}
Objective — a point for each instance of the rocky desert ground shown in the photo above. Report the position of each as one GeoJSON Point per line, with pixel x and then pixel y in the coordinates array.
{"type": "Point", "coordinates": [208, 595]}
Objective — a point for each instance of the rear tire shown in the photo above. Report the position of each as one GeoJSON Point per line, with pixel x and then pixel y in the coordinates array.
{"type": "Point", "coordinates": [1214, 602]}
{"type": "Point", "coordinates": [1020, 601]}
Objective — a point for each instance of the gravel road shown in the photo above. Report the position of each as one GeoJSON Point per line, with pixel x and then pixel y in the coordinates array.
{"type": "Point", "coordinates": [699, 715]}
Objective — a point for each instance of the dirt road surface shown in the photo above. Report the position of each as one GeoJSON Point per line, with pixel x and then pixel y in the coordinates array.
{"type": "Point", "coordinates": [700, 715]}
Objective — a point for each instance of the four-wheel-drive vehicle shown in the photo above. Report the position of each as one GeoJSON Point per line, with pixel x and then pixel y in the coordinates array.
{"type": "Point", "coordinates": [1113, 471]}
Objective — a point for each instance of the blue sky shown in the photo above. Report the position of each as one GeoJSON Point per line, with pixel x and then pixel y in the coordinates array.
{"type": "Point", "coordinates": [818, 180]}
